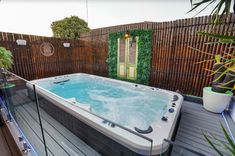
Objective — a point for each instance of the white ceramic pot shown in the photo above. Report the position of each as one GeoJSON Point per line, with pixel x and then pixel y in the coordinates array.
{"type": "Point", "coordinates": [216, 102]}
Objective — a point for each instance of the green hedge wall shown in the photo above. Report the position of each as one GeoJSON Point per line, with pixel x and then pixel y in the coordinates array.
{"type": "Point", "coordinates": [144, 54]}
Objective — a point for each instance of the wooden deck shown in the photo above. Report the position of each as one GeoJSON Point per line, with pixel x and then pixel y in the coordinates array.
{"type": "Point", "coordinates": [194, 121]}
{"type": "Point", "coordinates": [60, 141]}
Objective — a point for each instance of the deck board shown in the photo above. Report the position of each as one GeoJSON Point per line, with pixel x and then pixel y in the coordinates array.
{"type": "Point", "coordinates": [75, 142]}
{"type": "Point", "coordinates": [60, 141]}
{"type": "Point", "coordinates": [34, 138]}
{"type": "Point", "coordinates": [51, 142]}
{"type": "Point", "coordinates": [54, 127]}
{"type": "Point", "coordinates": [194, 121]}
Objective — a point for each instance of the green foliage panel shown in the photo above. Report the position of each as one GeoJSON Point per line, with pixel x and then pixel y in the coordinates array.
{"type": "Point", "coordinates": [144, 55]}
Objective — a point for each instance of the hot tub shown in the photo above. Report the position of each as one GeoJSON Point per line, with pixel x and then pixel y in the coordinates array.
{"type": "Point", "coordinates": [136, 117]}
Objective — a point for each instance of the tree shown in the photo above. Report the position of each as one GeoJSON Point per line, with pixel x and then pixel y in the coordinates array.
{"type": "Point", "coordinates": [69, 27]}
{"type": "Point", "coordinates": [220, 7]}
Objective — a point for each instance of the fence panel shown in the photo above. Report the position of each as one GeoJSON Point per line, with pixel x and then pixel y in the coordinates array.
{"type": "Point", "coordinates": [174, 62]}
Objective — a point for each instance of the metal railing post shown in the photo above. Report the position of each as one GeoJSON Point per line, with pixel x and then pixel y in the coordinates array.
{"type": "Point", "coordinates": [39, 117]}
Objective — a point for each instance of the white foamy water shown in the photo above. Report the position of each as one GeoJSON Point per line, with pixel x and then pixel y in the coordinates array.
{"type": "Point", "coordinates": [123, 105]}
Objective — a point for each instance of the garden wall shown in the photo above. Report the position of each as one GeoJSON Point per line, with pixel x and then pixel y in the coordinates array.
{"type": "Point", "coordinates": [30, 63]}
{"type": "Point", "coordinates": [173, 66]}
{"type": "Point", "coordinates": [174, 61]}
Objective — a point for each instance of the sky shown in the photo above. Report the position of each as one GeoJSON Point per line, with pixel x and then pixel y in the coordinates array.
{"type": "Point", "coordinates": [35, 16]}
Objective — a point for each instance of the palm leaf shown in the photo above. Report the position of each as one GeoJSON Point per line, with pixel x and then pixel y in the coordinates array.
{"type": "Point", "coordinates": [196, 5]}
{"type": "Point", "coordinates": [223, 84]}
{"type": "Point", "coordinates": [218, 7]}
{"type": "Point", "coordinates": [220, 76]}
{"type": "Point", "coordinates": [195, 49]}
{"type": "Point", "coordinates": [227, 88]}
{"type": "Point", "coordinates": [212, 145]}
{"type": "Point", "coordinates": [217, 70]}
{"type": "Point", "coordinates": [227, 6]}
{"type": "Point", "coordinates": [217, 36]}
{"type": "Point", "coordinates": [204, 61]}
{"type": "Point", "coordinates": [221, 41]}
{"type": "Point", "coordinates": [224, 145]}
{"type": "Point", "coordinates": [221, 8]}
{"type": "Point", "coordinates": [204, 8]}
{"type": "Point", "coordinates": [228, 138]}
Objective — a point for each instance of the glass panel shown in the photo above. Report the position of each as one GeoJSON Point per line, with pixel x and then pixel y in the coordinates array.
{"type": "Point", "coordinates": [131, 72]}
{"type": "Point", "coordinates": [18, 98]}
{"type": "Point", "coordinates": [122, 51]}
{"type": "Point", "coordinates": [122, 70]}
{"type": "Point", "coordinates": [132, 53]}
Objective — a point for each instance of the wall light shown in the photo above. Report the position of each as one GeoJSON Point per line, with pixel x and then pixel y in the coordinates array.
{"type": "Point", "coordinates": [21, 42]}
{"type": "Point", "coordinates": [66, 45]}
{"type": "Point", "coordinates": [127, 34]}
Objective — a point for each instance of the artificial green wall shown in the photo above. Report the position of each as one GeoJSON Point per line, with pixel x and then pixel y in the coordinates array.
{"type": "Point", "coordinates": [144, 54]}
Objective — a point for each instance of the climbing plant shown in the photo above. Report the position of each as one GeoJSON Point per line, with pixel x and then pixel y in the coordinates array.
{"type": "Point", "coordinates": [144, 54]}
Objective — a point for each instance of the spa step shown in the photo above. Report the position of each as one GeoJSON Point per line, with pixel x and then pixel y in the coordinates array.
{"type": "Point", "coordinates": [74, 101]}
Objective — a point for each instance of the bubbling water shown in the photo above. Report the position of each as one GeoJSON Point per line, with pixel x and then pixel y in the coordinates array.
{"type": "Point", "coordinates": [121, 104]}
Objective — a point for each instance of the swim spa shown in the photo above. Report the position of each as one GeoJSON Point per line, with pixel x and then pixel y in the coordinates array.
{"type": "Point", "coordinates": [127, 116]}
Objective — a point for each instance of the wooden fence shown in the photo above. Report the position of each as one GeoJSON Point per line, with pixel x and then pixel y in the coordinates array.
{"type": "Point", "coordinates": [173, 59]}
{"type": "Point", "coordinates": [30, 63]}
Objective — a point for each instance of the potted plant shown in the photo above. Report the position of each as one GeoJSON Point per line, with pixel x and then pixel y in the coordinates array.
{"type": "Point", "coordinates": [5, 58]}
{"type": "Point", "coordinates": [217, 97]}
{"type": "Point", "coordinates": [5, 63]}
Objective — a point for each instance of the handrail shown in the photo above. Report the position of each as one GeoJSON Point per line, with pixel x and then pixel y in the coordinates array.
{"type": "Point", "coordinates": [18, 76]}
{"type": "Point", "coordinates": [39, 118]}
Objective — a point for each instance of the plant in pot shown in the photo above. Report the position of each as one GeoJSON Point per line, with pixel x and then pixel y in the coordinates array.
{"type": "Point", "coordinates": [217, 97]}
{"type": "Point", "coordinates": [6, 62]}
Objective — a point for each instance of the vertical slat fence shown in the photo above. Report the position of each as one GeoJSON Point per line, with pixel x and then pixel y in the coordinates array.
{"type": "Point", "coordinates": [174, 62]}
